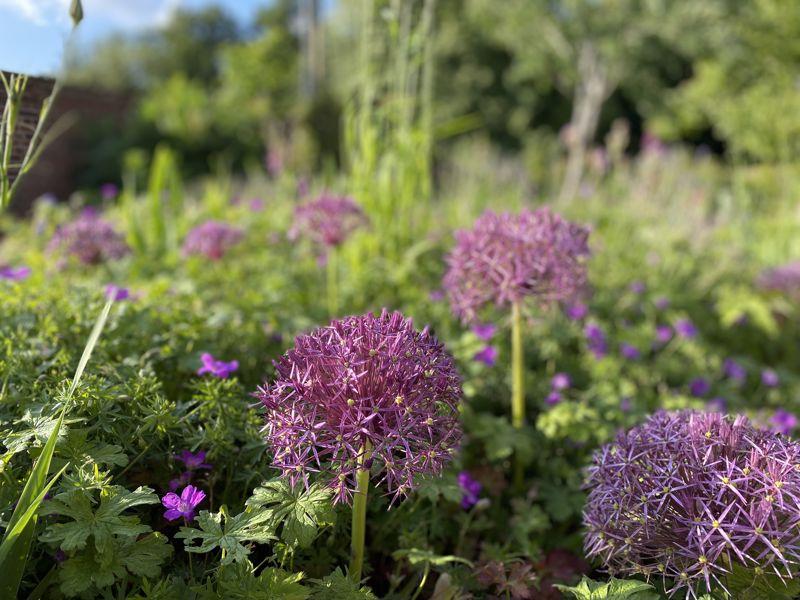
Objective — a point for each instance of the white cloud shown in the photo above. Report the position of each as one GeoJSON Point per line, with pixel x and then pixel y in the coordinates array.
{"type": "Point", "coordinates": [125, 14]}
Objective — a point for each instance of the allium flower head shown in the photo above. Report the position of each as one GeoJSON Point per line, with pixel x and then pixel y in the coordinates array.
{"type": "Point", "coordinates": [363, 388]}
{"type": "Point", "coordinates": [328, 221]}
{"type": "Point", "coordinates": [506, 258]}
{"type": "Point", "coordinates": [211, 239]}
{"type": "Point", "coordinates": [687, 495]}
{"type": "Point", "coordinates": [90, 239]}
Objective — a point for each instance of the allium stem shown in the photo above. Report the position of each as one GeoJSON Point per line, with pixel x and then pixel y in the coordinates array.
{"type": "Point", "coordinates": [332, 283]}
{"type": "Point", "coordinates": [359, 515]}
{"type": "Point", "coordinates": [517, 374]}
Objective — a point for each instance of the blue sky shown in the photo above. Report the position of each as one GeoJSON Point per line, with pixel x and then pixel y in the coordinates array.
{"type": "Point", "coordinates": [32, 32]}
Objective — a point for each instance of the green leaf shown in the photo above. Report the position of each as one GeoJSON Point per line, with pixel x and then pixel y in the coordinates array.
{"type": "Point", "coordinates": [237, 582]}
{"type": "Point", "coordinates": [228, 534]}
{"type": "Point", "coordinates": [302, 512]}
{"type": "Point", "coordinates": [337, 586]}
{"type": "Point", "coordinates": [615, 589]}
{"type": "Point", "coordinates": [746, 584]}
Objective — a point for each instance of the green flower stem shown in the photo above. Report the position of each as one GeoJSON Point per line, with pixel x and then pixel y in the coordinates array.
{"type": "Point", "coordinates": [359, 515]}
{"type": "Point", "coordinates": [517, 385]}
{"type": "Point", "coordinates": [332, 283]}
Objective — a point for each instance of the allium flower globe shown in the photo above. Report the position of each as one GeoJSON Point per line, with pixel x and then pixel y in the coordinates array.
{"type": "Point", "coordinates": [89, 239]}
{"type": "Point", "coordinates": [363, 388]}
{"type": "Point", "coordinates": [211, 239]}
{"type": "Point", "coordinates": [328, 220]}
{"type": "Point", "coordinates": [506, 258]}
{"type": "Point", "coordinates": [687, 496]}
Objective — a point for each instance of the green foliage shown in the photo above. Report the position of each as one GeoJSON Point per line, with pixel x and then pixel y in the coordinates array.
{"type": "Point", "coordinates": [616, 589]}
{"type": "Point", "coordinates": [337, 586]}
{"type": "Point", "coordinates": [220, 531]}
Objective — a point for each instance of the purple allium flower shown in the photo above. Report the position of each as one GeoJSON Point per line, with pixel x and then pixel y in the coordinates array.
{"type": "Point", "coordinates": [662, 303]}
{"type": "Point", "coordinates": [181, 480]}
{"type": "Point", "coordinates": [685, 329]}
{"type": "Point", "coordinates": [770, 378]}
{"type": "Point", "coordinates": [663, 334]}
{"type": "Point", "coordinates": [699, 387]}
{"type": "Point", "coordinates": [553, 398]}
{"type": "Point", "coordinates": [471, 489]}
{"type": "Point", "coordinates": [785, 279]}
{"type": "Point", "coordinates": [109, 191]}
{"type": "Point", "coordinates": [637, 287]}
{"type": "Point", "coordinates": [211, 239]}
{"type": "Point", "coordinates": [686, 496]}
{"type": "Point", "coordinates": [734, 370]}
{"type": "Point", "coordinates": [193, 460]}
{"type": "Point", "coordinates": [783, 421]}
{"type": "Point", "coordinates": [560, 381]}
{"type": "Point", "coordinates": [484, 331]}
{"type": "Point", "coordinates": [183, 505]}
{"type": "Point", "coordinates": [629, 352]}
{"type": "Point", "coordinates": [14, 273]}
{"type": "Point", "coordinates": [216, 367]}
{"type": "Point", "coordinates": [117, 293]}
{"type": "Point", "coordinates": [576, 311]}
{"type": "Point", "coordinates": [487, 356]}
{"type": "Point", "coordinates": [328, 221]}
{"type": "Point", "coordinates": [596, 340]}
{"type": "Point", "coordinates": [363, 384]}
{"type": "Point", "coordinates": [506, 258]}
{"type": "Point", "coordinates": [90, 239]}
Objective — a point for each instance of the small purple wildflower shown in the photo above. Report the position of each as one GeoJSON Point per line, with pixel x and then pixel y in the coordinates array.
{"type": "Point", "coordinates": [109, 191]}
{"type": "Point", "coordinates": [487, 356]}
{"type": "Point", "coordinates": [553, 398]}
{"type": "Point", "coordinates": [60, 556]}
{"type": "Point", "coordinates": [629, 352]}
{"type": "Point", "coordinates": [471, 489]}
{"type": "Point", "coordinates": [328, 221]}
{"type": "Point", "coordinates": [183, 505]}
{"type": "Point", "coordinates": [181, 480]}
{"type": "Point", "coordinates": [193, 460]}
{"type": "Point", "coordinates": [662, 303]}
{"type": "Point", "coordinates": [663, 334]}
{"type": "Point", "coordinates": [484, 331]}
{"type": "Point", "coordinates": [363, 384]}
{"type": "Point", "coordinates": [686, 496]}
{"type": "Point", "coordinates": [637, 287]}
{"type": "Point", "coordinates": [217, 368]}
{"type": "Point", "coordinates": [256, 205]}
{"type": "Point", "coordinates": [211, 239]}
{"type": "Point", "coordinates": [685, 329]}
{"type": "Point", "coordinates": [734, 370]}
{"type": "Point", "coordinates": [436, 295]}
{"type": "Point", "coordinates": [625, 404]}
{"type": "Point", "coordinates": [117, 293]}
{"type": "Point", "coordinates": [596, 340]}
{"type": "Point", "coordinates": [769, 377]}
{"type": "Point", "coordinates": [576, 311]}
{"type": "Point", "coordinates": [783, 421]}
{"type": "Point", "coordinates": [89, 239]}
{"type": "Point", "coordinates": [699, 387]}
{"type": "Point", "coordinates": [785, 279]}
{"type": "Point", "coordinates": [15, 273]}
{"type": "Point", "coordinates": [560, 381]}
{"type": "Point", "coordinates": [507, 257]}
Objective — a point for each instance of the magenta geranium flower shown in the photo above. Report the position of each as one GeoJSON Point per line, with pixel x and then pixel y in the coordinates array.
{"type": "Point", "coordinates": [484, 331]}
{"type": "Point", "coordinates": [687, 497]}
{"type": "Point", "coordinates": [560, 381]}
{"type": "Point", "coordinates": [470, 488]}
{"type": "Point", "coordinates": [193, 460]}
{"type": "Point", "coordinates": [217, 368]}
{"type": "Point", "coordinates": [487, 356]}
{"type": "Point", "coordinates": [211, 239]}
{"type": "Point", "coordinates": [89, 239]}
{"type": "Point", "coordinates": [14, 273]}
{"type": "Point", "coordinates": [328, 221]}
{"type": "Point", "coordinates": [183, 505]}
{"type": "Point", "coordinates": [506, 258]}
{"type": "Point", "coordinates": [116, 293]}
{"type": "Point", "coordinates": [363, 388]}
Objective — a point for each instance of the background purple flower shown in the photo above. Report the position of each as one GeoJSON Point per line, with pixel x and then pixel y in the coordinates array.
{"type": "Point", "coordinates": [662, 303]}
{"type": "Point", "coordinates": [487, 356]}
{"type": "Point", "coordinates": [217, 368]}
{"type": "Point", "coordinates": [117, 293]}
{"type": "Point", "coordinates": [577, 311]}
{"type": "Point", "coordinates": [560, 381]}
{"type": "Point", "coordinates": [718, 404]}
{"type": "Point", "coordinates": [687, 495]}
{"type": "Point", "coordinates": [471, 489]}
{"type": "Point", "coordinates": [506, 258]}
{"type": "Point", "coordinates": [596, 340]}
{"type": "Point", "coordinates": [14, 273]}
{"type": "Point", "coordinates": [553, 398]}
{"type": "Point", "coordinates": [89, 239]}
{"type": "Point", "coordinates": [193, 460]}
{"type": "Point", "coordinates": [183, 505]}
{"type": "Point", "coordinates": [211, 239]}
{"type": "Point", "coordinates": [637, 287]}
{"type": "Point", "coordinates": [770, 378]}
{"type": "Point", "coordinates": [783, 421]}
{"type": "Point", "coordinates": [109, 191]}
{"type": "Point", "coordinates": [484, 331]}
{"type": "Point", "coordinates": [328, 221]}
{"type": "Point", "coordinates": [734, 370]}
{"type": "Point", "coordinates": [629, 352]}
{"type": "Point", "coordinates": [685, 328]}
{"type": "Point", "coordinates": [785, 278]}
{"type": "Point", "coordinates": [663, 334]}
{"type": "Point", "coordinates": [363, 382]}
{"type": "Point", "coordinates": [699, 387]}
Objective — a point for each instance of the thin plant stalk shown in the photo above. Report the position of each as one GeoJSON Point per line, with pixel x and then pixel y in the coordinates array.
{"type": "Point", "coordinates": [359, 516]}
{"type": "Point", "coordinates": [517, 383]}
{"type": "Point", "coordinates": [331, 265]}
